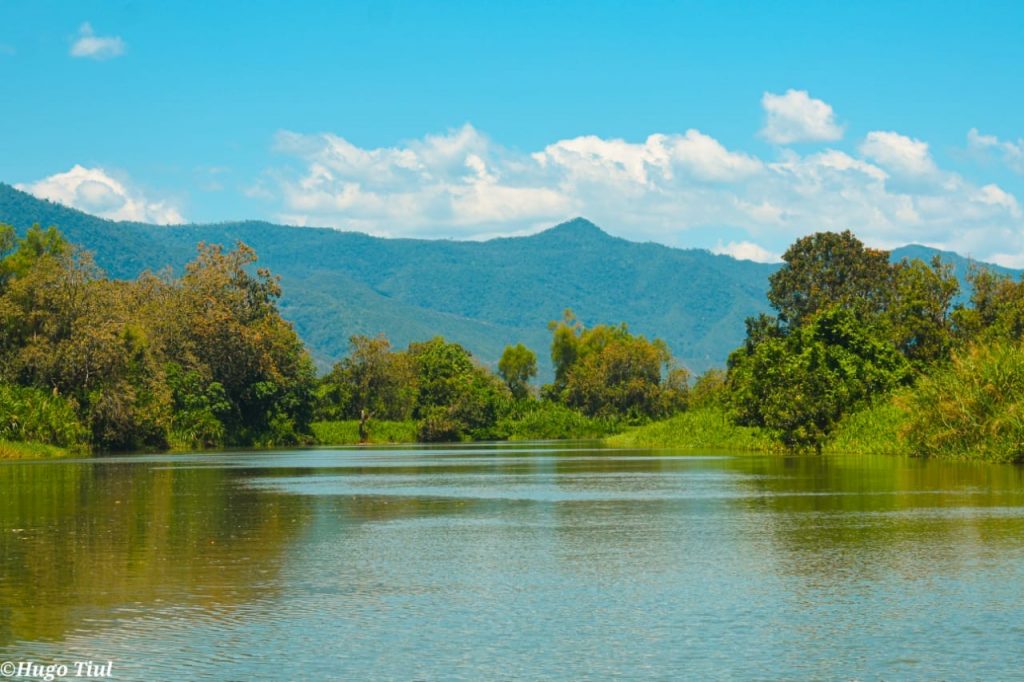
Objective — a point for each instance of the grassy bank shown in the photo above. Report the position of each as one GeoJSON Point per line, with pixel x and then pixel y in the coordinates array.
{"type": "Point", "coordinates": [704, 429]}
{"type": "Point", "coordinates": [544, 420]}
{"type": "Point", "coordinates": [347, 432]}
{"type": "Point", "coordinates": [877, 430]}
{"type": "Point", "coordinates": [20, 450]}
{"type": "Point", "coordinates": [872, 431]}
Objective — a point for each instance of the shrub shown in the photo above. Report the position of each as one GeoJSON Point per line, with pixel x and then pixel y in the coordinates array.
{"type": "Point", "coordinates": [974, 408]}
{"type": "Point", "coordinates": [31, 414]}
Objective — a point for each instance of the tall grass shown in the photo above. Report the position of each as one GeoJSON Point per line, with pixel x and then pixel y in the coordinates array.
{"type": "Point", "coordinates": [21, 450]}
{"type": "Point", "coordinates": [875, 430]}
{"type": "Point", "coordinates": [708, 428]}
{"type": "Point", "coordinates": [973, 409]}
{"type": "Point", "coordinates": [545, 420]}
{"type": "Point", "coordinates": [379, 431]}
{"type": "Point", "coordinates": [34, 415]}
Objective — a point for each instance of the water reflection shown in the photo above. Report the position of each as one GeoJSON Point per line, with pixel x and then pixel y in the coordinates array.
{"type": "Point", "coordinates": [550, 562]}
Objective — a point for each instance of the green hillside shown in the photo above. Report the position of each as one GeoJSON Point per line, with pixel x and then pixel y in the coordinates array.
{"type": "Point", "coordinates": [482, 294]}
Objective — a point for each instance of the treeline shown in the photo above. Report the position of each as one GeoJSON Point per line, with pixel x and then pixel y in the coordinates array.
{"type": "Point", "coordinates": [854, 331]}
{"type": "Point", "coordinates": [200, 360]}
{"type": "Point", "coordinates": [605, 378]}
{"type": "Point", "coordinates": [204, 360]}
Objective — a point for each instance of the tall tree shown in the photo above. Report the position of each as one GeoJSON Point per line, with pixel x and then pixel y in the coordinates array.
{"type": "Point", "coordinates": [518, 364]}
{"type": "Point", "coordinates": [830, 268]}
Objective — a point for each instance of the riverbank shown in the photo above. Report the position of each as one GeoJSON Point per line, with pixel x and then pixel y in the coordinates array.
{"type": "Point", "coordinates": [873, 431]}
{"type": "Point", "coordinates": [379, 432]}
{"type": "Point", "coordinates": [20, 450]}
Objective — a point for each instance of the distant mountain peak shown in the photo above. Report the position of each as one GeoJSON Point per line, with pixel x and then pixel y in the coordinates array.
{"type": "Point", "coordinates": [577, 229]}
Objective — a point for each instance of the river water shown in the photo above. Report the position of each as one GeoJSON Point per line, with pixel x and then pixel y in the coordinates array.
{"type": "Point", "coordinates": [513, 562]}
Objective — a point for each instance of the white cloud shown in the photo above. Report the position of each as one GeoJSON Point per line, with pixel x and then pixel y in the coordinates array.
{"type": "Point", "coordinates": [94, 191]}
{"type": "Point", "coordinates": [682, 189]}
{"type": "Point", "coordinates": [1010, 153]}
{"type": "Point", "coordinates": [798, 117]}
{"type": "Point", "coordinates": [898, 153]}
{"type": "Point", "coordinates": [91, 46]}
{"type": "Point", "coordinates": [747, 251]}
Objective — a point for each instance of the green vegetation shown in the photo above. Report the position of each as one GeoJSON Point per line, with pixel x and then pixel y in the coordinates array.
{"type": "Point", "coordinates": [546, 420]}
{"type": "Point", "coordinates": [22, 450]}
{"type": "Point", "coordinates": [377, 431]}
{"type": "Point", "coordinates": [708, 428]}
{"type": "Point", "coordinates": [875, 430]}
{"type": "Point", "coordinates": [864, 352]}
{"type": "Point", "coordinates": [867, 356]}
{"type": "Point", "coordinates": [971, 409]}
{"type": "Point", "coordinates": [606, 371]}
{"type": "Point", "coordinates": [203, 360]}
{"type": "Point", "coordinates": [607, 379]}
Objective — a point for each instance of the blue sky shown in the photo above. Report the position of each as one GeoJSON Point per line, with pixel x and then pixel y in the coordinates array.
{"type": "Point", "coordinates": [736, 126]}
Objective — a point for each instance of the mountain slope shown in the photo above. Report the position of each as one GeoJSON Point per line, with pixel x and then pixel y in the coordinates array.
{"type": "Point", "coordinates": [484, 295]}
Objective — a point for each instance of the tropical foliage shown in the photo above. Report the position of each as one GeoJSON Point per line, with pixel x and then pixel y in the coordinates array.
{"type": "Point", "coordinates": [196, 361]}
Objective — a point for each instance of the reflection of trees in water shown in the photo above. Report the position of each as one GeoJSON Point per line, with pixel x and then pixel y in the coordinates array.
{"type": "Point", "coordinates": [835, 520]}
{"type": "Point", "coordinates": [80, 541]}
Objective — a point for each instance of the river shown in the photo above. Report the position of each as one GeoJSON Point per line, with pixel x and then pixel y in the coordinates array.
{"type": "Point", "coordinates": [542, 561]}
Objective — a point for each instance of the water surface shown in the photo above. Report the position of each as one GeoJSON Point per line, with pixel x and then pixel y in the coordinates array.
{"type": "Point", "coordinates": [514, 562]}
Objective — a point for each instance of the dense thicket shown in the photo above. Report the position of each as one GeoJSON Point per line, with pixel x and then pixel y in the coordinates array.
{"type": "Point", "coordinates": [200, 360]}
{"type": "Point", "coordinates": [604, 376]}
{"type": "Point", "coordinates": [852, 327]}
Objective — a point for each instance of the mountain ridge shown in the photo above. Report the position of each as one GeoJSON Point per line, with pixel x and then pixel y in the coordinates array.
{"type": "Point", "coordinates": [483, 294]}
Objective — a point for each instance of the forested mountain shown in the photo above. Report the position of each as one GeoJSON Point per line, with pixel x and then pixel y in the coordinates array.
{"type": "Point", "coordinates": [484, 295]}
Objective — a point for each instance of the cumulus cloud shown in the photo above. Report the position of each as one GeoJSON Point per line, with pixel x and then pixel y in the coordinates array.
{"type": "Point", "coordinates": [798, 117]}
{"type": "Point", "coordinates": [682, 189]}
{"type": "Point", "coordinates": [94, 191]}
{"type": "Point", "coordinates": [91, 46]}
{"type": "Point", "coordinates": [1009, 152]}
{"type": "Point", "coordinates": [898, 153]}
{"type": "Point", "coordinates": [747, 251]}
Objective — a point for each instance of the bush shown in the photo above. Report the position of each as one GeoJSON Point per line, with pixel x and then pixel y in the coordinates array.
{"type": "Point", "coordinates": [546, 420]}
{"type": "Point", "coordinates": [31, 414]}
{"type": "Point", "coordinates": [972, 409]}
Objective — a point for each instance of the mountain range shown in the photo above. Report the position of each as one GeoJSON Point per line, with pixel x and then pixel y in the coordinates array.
{"type": "Point", "coordinates": [484, 295]}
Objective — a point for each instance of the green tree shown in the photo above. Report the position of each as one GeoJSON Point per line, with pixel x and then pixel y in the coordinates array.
{"type": "Point", "coordinates": [457, 397]}
{"type": "Point", "coordinates": [518, 364]}
{"type": "Point", "coordinates": [801, 384]}
{"type": "Point", "coordinates": [919, 315]}
{"type": "Point", "coordinates": [826, 269]}
{"type": "Point", "coordinates": [373, 381]}
{"type": "Point", "coordinates": [606, 371]}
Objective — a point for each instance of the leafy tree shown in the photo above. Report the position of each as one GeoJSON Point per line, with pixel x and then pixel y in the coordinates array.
{"type": "Point", "coordinates": [373, 380]}
{"type": "Point", "coordinates": [457, 397]}
{"type": "Point", "coordinates": [206, 357]}
{"type": "Point", "coordinates": [826, 269]}
{"type": "Point", "coordinates": [996, 311]}
{"type": "Point", "coordinates": [605, 371]}
{"type": "Point", "coordinates": [518, 364]}
{"type": "Point", "coordinates": [800, 385]}
{"type": "Point", "coordinates": [709, 390]}
{"type": "Point", "coordinates": [920, 312]}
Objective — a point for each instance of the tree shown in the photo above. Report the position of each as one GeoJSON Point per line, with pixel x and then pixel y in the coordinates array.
{"type": "Point", "coordinates": [457, 397]}
{"type": "Point", "coordinates": [373, 381]}
{"type": "Point", "coordinates": [518, 364]}
{"type": "Point", "coordinates": [606, 371]}
{"type": "Point", "coordinates": [826, 269]}
{"type": "Point", "coordinates": [920, 312]}
{"type": "Point", "coordinates": [801, 384]}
